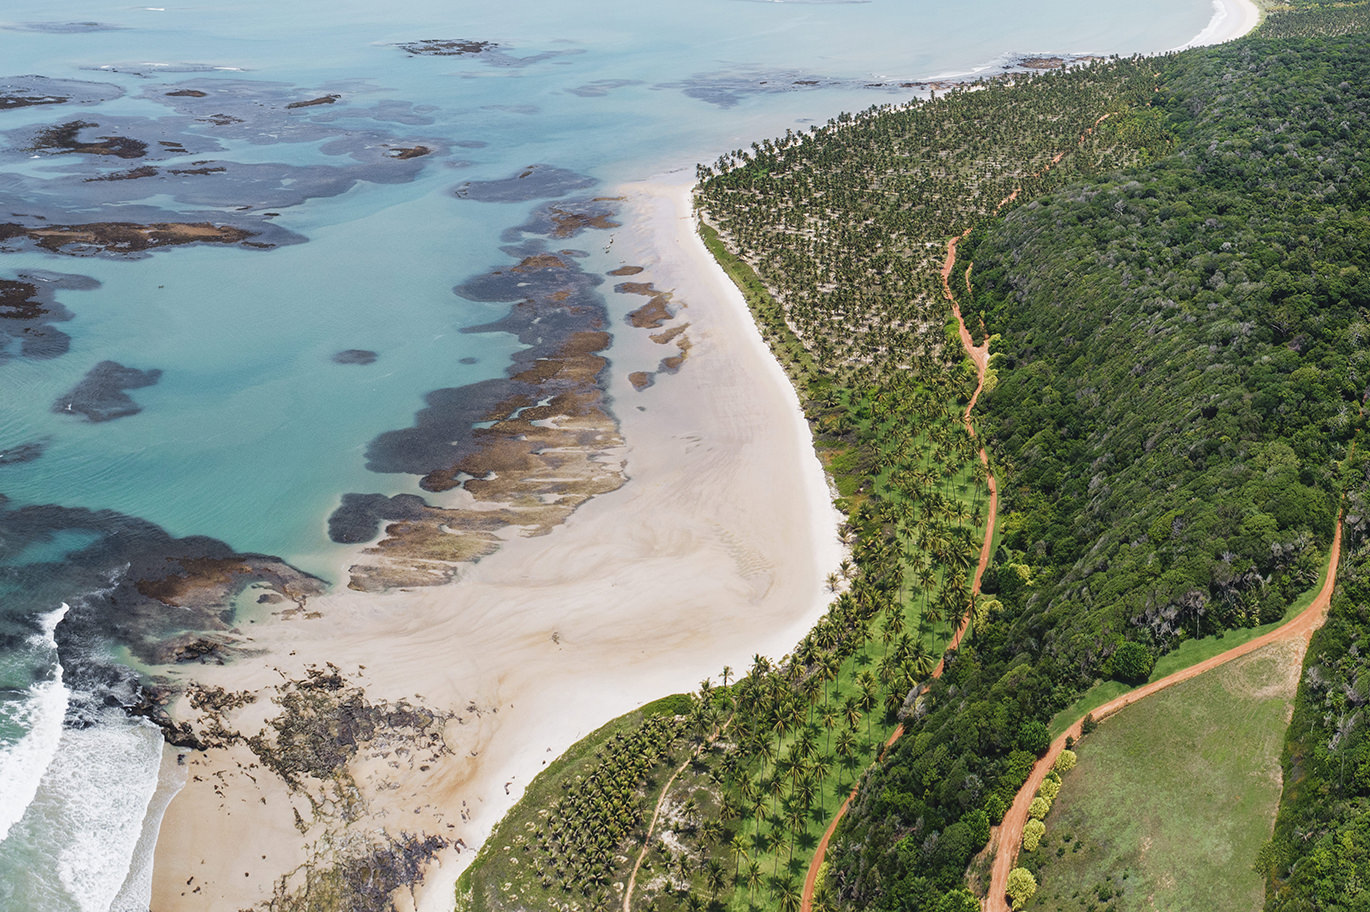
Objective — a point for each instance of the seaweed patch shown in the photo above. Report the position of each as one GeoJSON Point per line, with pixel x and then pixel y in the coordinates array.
{"type": "Point", "coordinates": [531, 183]}
{"type": "Point", "coordinates": [355, 356]}
{"type": "Point", "coordinates": [63, 28]}
{"type": "Point", "coordinates": [23, 452]}
{"type": "Point", "coordinates": [488, 52]}
{"type": "Point", "coordinates": [124, 237]}
{"type": "Point", "coordinates": [29, 91]}
{"type": "Point", "coordinates": [28, 308]}
{"type": "Point", "coordinates": [567, 218]}
{"type": "Point", "coordinates": [101, 396]}
{"type": "Point", "coordinates": [530, 447]}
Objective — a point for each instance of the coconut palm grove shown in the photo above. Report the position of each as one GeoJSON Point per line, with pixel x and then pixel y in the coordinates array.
{"type": "Point", "coordinates": [1168, 259]}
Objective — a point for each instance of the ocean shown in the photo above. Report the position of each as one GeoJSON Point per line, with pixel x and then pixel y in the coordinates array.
{"type": "Point", "coordinates": [230, 241]}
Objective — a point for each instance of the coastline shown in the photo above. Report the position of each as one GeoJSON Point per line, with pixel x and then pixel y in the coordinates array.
{"type": "Point", "coordinates": [578, 611]}
{"type": "Point", "coordinates": [729, 537]}
{"type": "Point", "coordinates": [1231, 20]}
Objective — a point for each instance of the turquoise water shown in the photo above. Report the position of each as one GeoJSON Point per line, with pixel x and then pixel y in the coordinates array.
{"type": "Point", "coordinates": [252, 432]}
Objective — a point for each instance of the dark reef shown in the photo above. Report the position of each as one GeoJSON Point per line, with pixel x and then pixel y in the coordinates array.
{"type": "Point", "coordinates": [355, 356]}
{"type": "Point", "coordinates": [533, 182]}
{"type": "Point", "coordinates": [446, 47]}
{"type": "Point", "coordinates": [24, 452]}
{"type": "Point", "coordinates": [100, 395]}
{"type": "Point", "coordinates": [359, 517]}
{"type": "Point", "coordinates": [64, 28]}
{"type": "Point", "coordinates": [532, 445]}
{"type": "Point", "coordinates": [28, 308]}
{"type": "Point", "coordinates": [28, 91]}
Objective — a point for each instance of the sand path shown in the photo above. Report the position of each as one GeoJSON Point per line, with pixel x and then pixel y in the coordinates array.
{"type": "Point", "coordinates": [1009, 834]}
{"type": "Point", "coordinates": [656, 814]}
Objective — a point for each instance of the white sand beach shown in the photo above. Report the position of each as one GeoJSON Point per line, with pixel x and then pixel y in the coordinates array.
{"type": "Point", "coordinates": [716, 549]}
{"type": "Point", "coordinates": [1231, 20]}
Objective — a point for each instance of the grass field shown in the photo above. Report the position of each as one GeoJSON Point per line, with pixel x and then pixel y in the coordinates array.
{"type": "Point", "coordinates": [1173, 797]}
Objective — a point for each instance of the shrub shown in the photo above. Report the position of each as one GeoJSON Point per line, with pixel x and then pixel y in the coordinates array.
{"type": "Point", "coordinates": [995, 808]}
{"type": "Point", "coordinates": [959, 901]}
{"type": "Point", "coordinates": [1050, 789]}
{"type": "Point", "coordinates": [1034, 738]}
{"type": "Point", "coordinates": [1032, 835]}
{"type": "Point", "coordinates": [1132, 663]}
{"type": "Point", "coordinates": [1021, 886]}
{"type": "Point", "coordinates": [1066, 762]}
{"type": "Point", "coordinates": [1039, 808]}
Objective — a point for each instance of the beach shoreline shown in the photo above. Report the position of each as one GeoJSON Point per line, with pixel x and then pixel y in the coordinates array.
{"type": "Point", "coordinates": [729, 535]}
{"type": "Point", "coordinates": [731, 532]}
{"type": "Point", "coordinates": [1231, 20]}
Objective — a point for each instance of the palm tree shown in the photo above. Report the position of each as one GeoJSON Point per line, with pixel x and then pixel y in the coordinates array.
{"type": "Point", "coordinates": [852, 712]}
{"type": "Point", "coordinates": [740, 853]}
{"type": "Point", "coordinates": [714, 876]}
{"type": "Point", "coordinates": [828, 717]}
{"type": "Point", "coordinates": [753, 878]}
{"type": "Point", "coordinates": [822, 765]}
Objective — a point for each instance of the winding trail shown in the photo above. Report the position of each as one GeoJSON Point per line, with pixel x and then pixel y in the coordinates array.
{"type": "Point", "coordinates": [1009, 834]}
{"type": "Point", "coordinates": [656, 813]}
{"type": "Point", "coordinates": [980, 356]}
{"type": "Point", "coordinates": [647, 840]}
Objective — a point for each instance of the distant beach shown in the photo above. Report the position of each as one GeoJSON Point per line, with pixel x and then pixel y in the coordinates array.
{"type": "Point", "coordinates": [1231, 19]}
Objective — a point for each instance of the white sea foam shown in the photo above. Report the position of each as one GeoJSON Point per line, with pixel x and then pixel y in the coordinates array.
{"type": "Point", "coordinates": [72, 801]}
{"type": "Point", "coordinates": [97, 790]}
{"type": "Point", "coordinates": [41, 712]}
{"type": "Point", "coordinates": [136, 893]}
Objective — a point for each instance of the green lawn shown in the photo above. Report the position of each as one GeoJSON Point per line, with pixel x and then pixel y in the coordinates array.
{"type": "Point", "coordinates": [1173, 797]}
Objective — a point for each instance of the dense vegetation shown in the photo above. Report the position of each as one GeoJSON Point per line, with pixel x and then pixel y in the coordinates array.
{"type": "Point", "coordinates": [1181, 367]}
{"type": "Point", "coordinates": [1175, 298]}
{"type": "Point", "coordinates": [1180, 370]}
{"type": "Point", "coordinates": [1183, 359]}
{"type": "Point", "coordinates": [1320, 855]}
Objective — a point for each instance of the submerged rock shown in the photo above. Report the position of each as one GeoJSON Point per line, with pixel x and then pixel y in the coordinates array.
{"type": "Point", "coordinates": [101, 397]}
{"type": "Point", "coordinates": [355, 356]}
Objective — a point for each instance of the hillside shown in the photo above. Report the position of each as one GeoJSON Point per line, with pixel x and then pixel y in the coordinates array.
{"type": "Point", "coordinates": [1175, 310]}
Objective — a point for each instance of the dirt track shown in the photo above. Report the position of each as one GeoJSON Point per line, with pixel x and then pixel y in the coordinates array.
{"type": "Point", "coordinates": [1009, 834]}
{"type": "Point", "coordinates": [980, 356]}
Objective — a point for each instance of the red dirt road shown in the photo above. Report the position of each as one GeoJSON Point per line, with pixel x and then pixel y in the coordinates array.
{"type": "Point", "coordinates": [1009, 834]}
{"type": "Point", "coordinates": [980, 356]}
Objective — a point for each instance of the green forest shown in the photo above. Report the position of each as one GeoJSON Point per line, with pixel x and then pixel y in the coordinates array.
{"type": "Point", "coordinates": [1319, 858]}
{"type": "Point", "coordinates": [1170, 260]}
